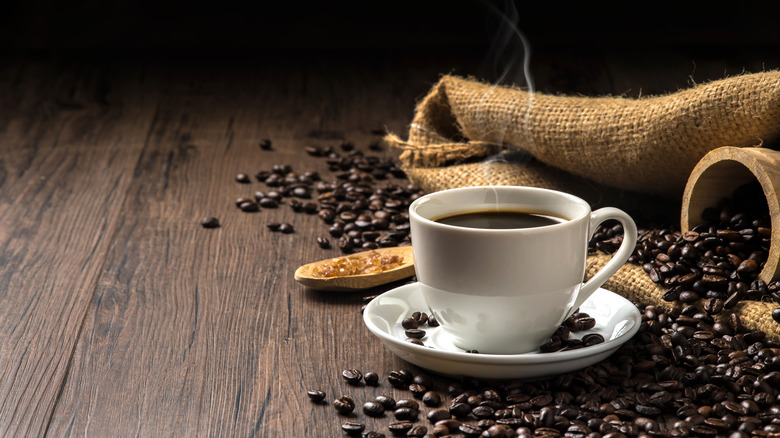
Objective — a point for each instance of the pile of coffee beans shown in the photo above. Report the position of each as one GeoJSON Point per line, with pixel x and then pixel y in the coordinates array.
{"type": "Point", "coordinates": [682, 375]}
{"type": "Point", "coordinates": [717, 262]}
{"type": "Point", "coordinates": [365, 206]}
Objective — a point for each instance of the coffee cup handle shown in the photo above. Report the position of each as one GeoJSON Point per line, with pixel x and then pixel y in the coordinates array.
{"type": "Point", "coordinates": [618, 259]}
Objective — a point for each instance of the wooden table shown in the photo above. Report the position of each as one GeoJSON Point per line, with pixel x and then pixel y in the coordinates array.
{"type": "Point", "coordinates": [121, 315]}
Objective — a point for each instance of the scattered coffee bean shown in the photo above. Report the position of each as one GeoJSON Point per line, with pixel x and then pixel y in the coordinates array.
{"type": "Point", "coordinates": [286, 228]}
{"type": "Point", "coordinates": [210, 222]}
{"type": "Point", "coordinates": [386, 401]}
{"type": "Point", "coordinates": [415, 333]}
{"type": "Point", "coordinates": [274, 226]}
{"type": "Point", "coordinates": [316, 395]}
{"type": "Point", "coordinates": [265, 144]}
{"type": "Point", "coordinates": [431, 398]}
{"type": "Point", "coordinates": [352, 376]}
{"type": "Point", "coordinates": [371, 378]}
{"type": "Point", "coordinates": [417, 431]}
{"type": "Point", "coordinates": [243, 178]}
{"type": "Point", "coordinates": [353, 428]}
{"type": "Point", "coordinates": [249, 207]}
{"type": "Point", "coordinates": [344, 405]}
{"type": "Point", "coordinates": [323, 242]}
{"type": "Point", "coordinates": [400, 427]}
{"type": "Point", "coordinates": [373, 409]}
{"type": "Point", "coordinates": [776, 314]}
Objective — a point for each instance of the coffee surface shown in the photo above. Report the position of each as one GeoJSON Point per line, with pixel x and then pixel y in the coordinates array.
{"type": "Point", "coordinates": [501, 219]}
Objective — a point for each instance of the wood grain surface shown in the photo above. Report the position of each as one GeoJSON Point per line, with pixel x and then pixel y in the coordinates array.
{"type": "Point", "coordinates": [121, 316]}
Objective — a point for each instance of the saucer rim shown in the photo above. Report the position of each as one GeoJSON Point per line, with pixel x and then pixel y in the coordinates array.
{"type": "Point", "coordinates": [530, 358]}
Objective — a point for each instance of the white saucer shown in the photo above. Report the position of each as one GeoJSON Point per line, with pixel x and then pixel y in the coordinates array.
{"type": "Point", "coordinates": [617, 319]}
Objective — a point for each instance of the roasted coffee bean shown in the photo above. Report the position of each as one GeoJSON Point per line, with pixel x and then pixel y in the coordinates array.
{"type": "Point", "coordinates": [417, 390]}
{"type": "Point", "coordinates": [386, 401]}
{"type": "Point", "coordinates": [352, 376]}
{"type": "Point", "coordinates": [399, 378]}
{"type": "Point", "coordinates": [410, 323]}
{"type": "Point", "coordinates": [431, 398]}
{"type": "Point", "coordinates": [405, 414]}
{"type": "Point", "coordinates": [353, 428]}
{"type": "Point", "coordinates": [400, 427]}
{"type": "Point", "coordinates": [265, 144]}
{"type": "Point", "coordinates": [469, 430]}
{"type": "Point", "coordinates": [323, 242]}
{"type": "Point", "coordinates": [286, 228]}
{"type": "Point", "coordinates": [316, 395]}
{"type": "Point", "coordinates": [243, 178]}
{"type": "Point", "coordinates": [209, 222]}
{"type": "Point", "coordinates": [373, 409]}
{"type": "Point", "coordinates": [274, 226]}
{"type": "Point", "coordinates": [249, 207]}
{"type": "Point", "coordinates": [776, 314]}
{"type": "Point", "coordinates": [438, 415]}
{"type": "Point", "coordinates": [268, 202]}
{"type": "Point", "coordinates": [344, 405]}
{"type": "Point", "coordinates": [371, 378]}
{"type": "Point", "coordinates": [415, 333]}
{"type": "Point", "coordinates": [417, 431]}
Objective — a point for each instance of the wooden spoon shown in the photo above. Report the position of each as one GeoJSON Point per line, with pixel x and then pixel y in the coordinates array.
{"type": "Point", "coordinates": [306, 274]}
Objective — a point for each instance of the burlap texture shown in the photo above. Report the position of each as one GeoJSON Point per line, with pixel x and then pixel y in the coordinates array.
{"type": "Point", "coordinates": [647, 144]}
{"type": "Point", "coordinates": [634, 284]}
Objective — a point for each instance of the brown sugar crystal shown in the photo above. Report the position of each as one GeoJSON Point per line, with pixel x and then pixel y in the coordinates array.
{"type": "Point", "coordinates": [369, 262]}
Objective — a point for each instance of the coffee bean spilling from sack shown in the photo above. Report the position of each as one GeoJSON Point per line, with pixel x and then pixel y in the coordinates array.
{"type": "Point", "coordinates": [683, 374]}
{"type": "Point", "coordinates": [717, 262]}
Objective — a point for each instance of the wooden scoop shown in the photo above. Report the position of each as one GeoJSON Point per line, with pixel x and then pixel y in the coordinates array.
{"type": "Point", "coordinates": [719, 173]}
{"type": "Point", "coordinates": [307, 274]}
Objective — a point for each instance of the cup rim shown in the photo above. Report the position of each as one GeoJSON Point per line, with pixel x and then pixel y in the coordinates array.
{"type": "Point", "coordinates": [431, 222]}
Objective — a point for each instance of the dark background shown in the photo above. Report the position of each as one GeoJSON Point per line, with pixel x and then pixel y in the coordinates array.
{"type": "Point", "coordinates": [198, 25]}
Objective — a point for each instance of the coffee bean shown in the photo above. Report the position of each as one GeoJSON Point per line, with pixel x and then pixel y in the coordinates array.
{"type": "Point", "coordinates": [286, 228]}
{"type": "Point", "coordinates": [323, 242]}
{"type": "Point", "coordinates": [210, 222]}
{"type": "Point", "coordinates": [417, 431]}
{"type": "Point", "coordinates": [371, 378]}
{"type": "Point", "coordinates": [352, 376]}
{"type": "Point", "coordinates": [405, 414]}
{"type": "Point", "coordinates": [316, 395]}
{"type": "Point", "coordinates": [400, 427]}
{"type": "Point", "coordinates": [265, 144]}
{"type": "Point", "coordinates": [431, 398]}
{"type": "Point", "coordinates": [776, 314]}
{"type": "Point", "coordinates": [344, 405]}
{"type": "Point", "coordinates": [437, 415]}
{"type": "Point", "coordinates": [353, 428]}
{"type": "Point", "coordinates": [415, 333]}
{"type": "Point", "coordinates": [249, 207]}
{"type": "Point", "coordinates": [373, 409]}
{"type": "Point", "coordinates": [268, 202]}
{"type": "Point", "coordinates": [386, 401]}
{"type": "Point", "coordinates": [243, 178]}
{"type": "Point", "coordinates": [274, 226]}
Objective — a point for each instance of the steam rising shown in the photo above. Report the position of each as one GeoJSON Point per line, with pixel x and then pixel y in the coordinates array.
{"type": "Point", "coordinates": [509, 59]}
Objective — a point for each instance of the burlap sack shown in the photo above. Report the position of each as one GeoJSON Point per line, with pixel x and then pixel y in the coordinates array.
{"type": "Point", "coordinates": [648, 145]}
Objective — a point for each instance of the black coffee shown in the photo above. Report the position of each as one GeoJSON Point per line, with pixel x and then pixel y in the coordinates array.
{"type": "Point", "coordinates": [502, 219]}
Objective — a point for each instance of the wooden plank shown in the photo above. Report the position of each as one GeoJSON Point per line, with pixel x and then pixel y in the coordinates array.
{"type": "Point", "coordinates": [65, 155]}
{"type": "Point", "coordinates": [205, 332]}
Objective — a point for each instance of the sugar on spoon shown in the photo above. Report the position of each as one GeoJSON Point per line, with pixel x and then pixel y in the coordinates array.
{"type": "Point", "coordinates": [358, 271]}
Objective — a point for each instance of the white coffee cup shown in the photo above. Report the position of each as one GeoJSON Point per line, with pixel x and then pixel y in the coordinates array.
{"type": "Point", "coordinates": [506, 291]}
